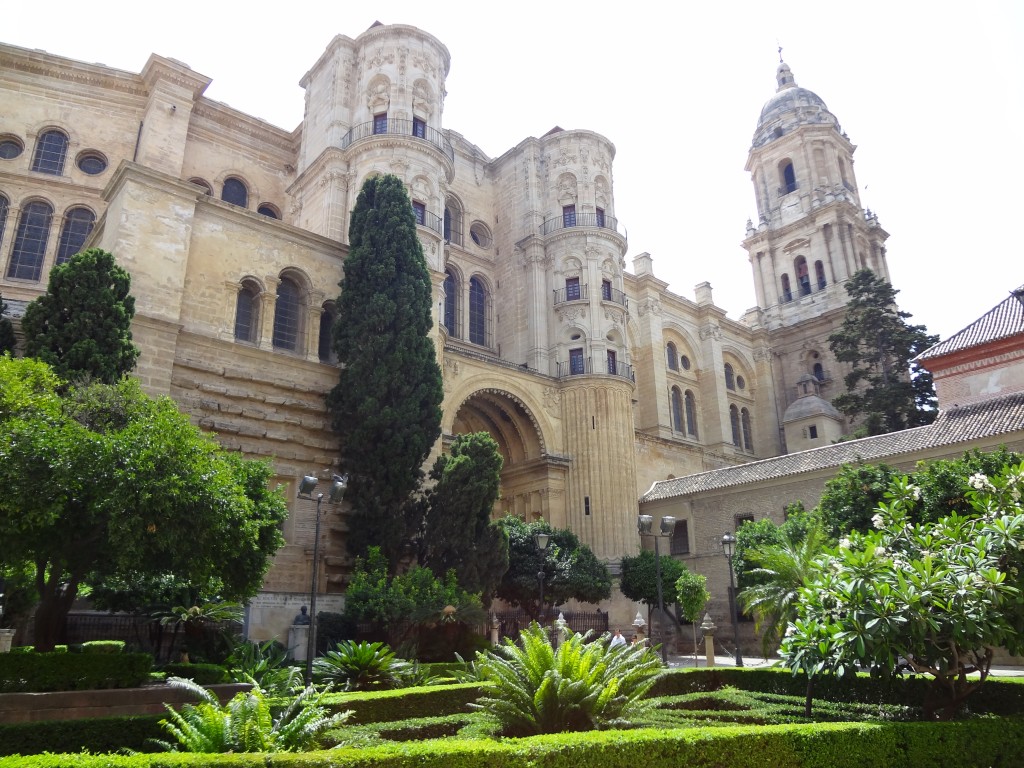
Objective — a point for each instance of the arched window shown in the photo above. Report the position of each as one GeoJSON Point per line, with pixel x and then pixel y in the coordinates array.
{"type": "Point", "coordinates": [266, 209]}
{"type": "Point", "coordinates": [5, 204]}
{"type": "Point", "coordinates": [748, 442]}
{"type": "Point", "coordinates": [819, 372]}
{"type": "Point", "coordinates": [78, 224]}
{"type": "Point", "coordinates": [803, 279]}
{"type": "Point", "coordinates": [787, 294]}
{"type": "Point", "coordinates": [453, 222]}
{"type": "Point", "coordinates": [325, 344]}
{"type": "Point", "coordinates": [788, 177]}
{"type": "Point", "coordinates": [819, 275]}
{"type": "Point", "coordinates": [30, 241]}
{"type": "Point", "coordinates": [452, 315]}
{"type": "Point", "coordinates": [51, 151]}
{"type": "Point", "coordinates": [288, 315]}
{"type": "Point", "coordinates": [730, 377]}
{"type": "Point", "coordinates": [677, 410]}
{"type": "Point", "coordinates": [691, 413]}
{"type": "Point", "coordinates": [247, 312]}
{"type": "Point", "coordinates": [673, 356]}
{"type": "Point", "coordinates": [734, 420]}
{"type": "Point", "coordinates": [234, 192]}
{"type": "Point", "coordinates": [478, 311]}
{"type": "Point", "coordinates": [207, 189]}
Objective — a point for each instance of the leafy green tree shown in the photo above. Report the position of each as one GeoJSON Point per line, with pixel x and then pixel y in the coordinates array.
{"type": "Point", "coordinates": [940, 595]}
{"type": "Point", "coordinates": [639, 581]}
{"type": "Point", "coordinates": [782, 570]}
{"type": "Point", "coordinates": [851, 498]}
{"type": "Point", "coordinates": [457, 532]}
{"type": "Point", "coordinates": [884, 388]}
{"type": "Point", "coordinates": [692, 596]}
{"type": "Point", "coordinates": [7, 339]}
{"type": "Point", "coordinates": [386, 407]}
{"type": "Point", "coordinates": [82, 324]}
{"type": "Point", "coordinates": [758, 534]}
{"type": "Point", "coordinates": [571, 570]}
{"type": "Point", "coordinates": [101, 480]}
{"type": "Point", "coordinates": [580, 686]}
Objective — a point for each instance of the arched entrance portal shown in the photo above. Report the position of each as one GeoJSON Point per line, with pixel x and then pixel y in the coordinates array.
{"type": "Point", "coordinates": [532, 482]}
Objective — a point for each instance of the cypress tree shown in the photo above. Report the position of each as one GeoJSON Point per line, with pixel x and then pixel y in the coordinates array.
{"type": "Point", "coordinates": [7, 340]}
{"type": "Point", "coordinates": [386, 407]}
{"type": "Point", "coordinates": [81, 326]}
{"type": "Point", "coordinates": [884, 388]}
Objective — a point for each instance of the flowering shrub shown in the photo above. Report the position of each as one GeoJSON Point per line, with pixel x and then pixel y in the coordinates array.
{"type": "Point", "coordinates": [940, 596]}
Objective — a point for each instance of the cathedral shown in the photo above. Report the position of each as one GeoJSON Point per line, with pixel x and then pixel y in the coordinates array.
{"type": "Point", "coordinates": [596, 382]}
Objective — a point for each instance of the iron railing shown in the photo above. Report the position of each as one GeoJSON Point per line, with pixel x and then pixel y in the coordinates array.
{"type": "Point", "coordinates": [592, 220]}
{"type": "Point", "coordinates": [512, 622]}
{"type": "Point", "coordinates": [453, 235]}
{"type": "Point", "coordinates": [614, 295]}
{"type": "Point", "coordinates": [570, 293]}
{"type": "Point", "coordinates": [432, 221]}
{"type": "Point", "coordinates": [585, 365]}
{"type": "Point", "coordinates": [397, 127]}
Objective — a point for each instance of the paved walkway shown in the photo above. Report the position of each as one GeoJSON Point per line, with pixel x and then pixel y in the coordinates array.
{"type": "Point", "coordinates": [759, 661]}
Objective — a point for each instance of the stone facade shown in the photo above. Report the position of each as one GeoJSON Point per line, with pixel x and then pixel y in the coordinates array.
{"type": "Point", "coordinates": [596, 382]}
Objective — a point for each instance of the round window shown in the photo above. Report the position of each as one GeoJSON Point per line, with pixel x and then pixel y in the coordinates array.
{"type": "Point", "coordinates": [480, 234]}
{"type": "Point", "coordinates": [685, 362]}
{"type": "Point", "coordinates": [741, 382]}
{"type": "Point", "coordinates": [92, 163]}
{"type": "Point", "coordinates": [10, 148]}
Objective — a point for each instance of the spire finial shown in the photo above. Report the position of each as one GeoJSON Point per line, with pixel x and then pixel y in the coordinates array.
{"type": "Point", "coordinates": [780, 53]}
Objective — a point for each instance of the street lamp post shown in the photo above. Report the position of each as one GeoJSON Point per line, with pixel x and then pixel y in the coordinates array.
{"type": "Point", "coordinates": [729, 548]}
{"type": "Point", "coordinates": [541, 540]}
{"type": "Point", "coordinates": [644, 523]}
{"type": "Point", "coordinates": [338, 487]}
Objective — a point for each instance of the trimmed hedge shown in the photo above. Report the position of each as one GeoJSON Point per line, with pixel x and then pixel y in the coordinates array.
{"type": "Point", "coordinates": [97, 734]}
{"type": "Point", "coordinates": [204, 674]}
{"type": "Point", "coordinates": [981, 743]}
{"type": "Point", "coordinates": [35, 672]}
{"type": "Point", "coordinates": [998, 696]}
{"type": "Point", "coordinates": [405, 703]}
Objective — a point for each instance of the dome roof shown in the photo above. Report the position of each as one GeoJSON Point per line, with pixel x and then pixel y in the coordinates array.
{"type": "Point", "coordinates": [789, 107]}
{"type": "Point", "coordinates": [810, 406]}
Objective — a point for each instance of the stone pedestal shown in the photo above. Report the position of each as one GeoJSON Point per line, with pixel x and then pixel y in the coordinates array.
{"type": "Point", "coordinates": [298, 641]}
{"type": "Point", "coordinates": [6, 638]}
{"type": "Point", "coordinates": [708, 627]}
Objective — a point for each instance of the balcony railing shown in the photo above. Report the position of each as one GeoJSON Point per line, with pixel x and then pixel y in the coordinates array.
{"type": "Point", "coordinates": [570, 293]}
{"type": "Point", "coordinates": [593, 220]}
{"type": "Point", "coordinates": [615, 295]}
{"type": "Point", "coordinates": [432, 221]}
{"type": "Point", "coordinates": [581, 366]}
{"type": "Point", "coordinates": [396, 127]}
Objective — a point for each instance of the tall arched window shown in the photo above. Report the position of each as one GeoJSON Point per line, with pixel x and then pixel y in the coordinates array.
{"type": "Point", "coordinates": [325, 344]}
{"type": "Point", "coordinates": [788, 177]}
{"type": "Point", "coordinates": [787, 294]}
{"type": "Point", "coordinates": [51, 151]}
{"type": "Point", "coordinates": [734, 420]}
{"type": "Point", "coordinates": [691, 413]}
{"type": "Point", "coordinates": [247, 312]}
{"type": "Point", "coordinates": [677, 410]}
{"type": "Point", "coordinates": [452, 315]}
{"type": "Point", "coordinates": [288, 315]}
{"type": "Point", "coordinates": [673, 356]}
{"type": "Point", "coordinates": [730, 377]}
{"type": "Point", "coordinates": [477, 311]}
{"type": "Point", "coordinates": [30, 241]}
{"type": "Point", "coordinates": [5, 205]}
{"type": "Point", "coordinates": [819, 372]}
{"type": "Point", "coordinates": [235, 192]}
{"type": "Point", "coordinates": [748, 442]}
{"type": "Point", "coordinates": [803, 278]}
{"type": "Point", "coordinates": [819, 275]}
{"type": "Point", "coordinates": [78, 223]}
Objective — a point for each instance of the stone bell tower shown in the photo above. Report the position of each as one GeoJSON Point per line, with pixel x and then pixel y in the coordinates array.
{"type": "Point", "coordinates": [811, 233]}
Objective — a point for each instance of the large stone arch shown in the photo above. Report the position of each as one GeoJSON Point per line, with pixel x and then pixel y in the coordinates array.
{"type": "Point", "coordinates": [532, 480]}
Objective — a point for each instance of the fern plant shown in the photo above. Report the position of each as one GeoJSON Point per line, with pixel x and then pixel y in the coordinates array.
{"type": "Point", "coordinates": [247, 723]}
{"type": "Point", "coordinates": [267, 664]}
{"type": "Point", "coordinates": [535, 688]}
{"type": "Point", "coordinates": [360, 666]}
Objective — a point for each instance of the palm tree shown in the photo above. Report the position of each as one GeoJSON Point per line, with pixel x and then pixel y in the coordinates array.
{"type": "Point", "coordinates": [782, 570]}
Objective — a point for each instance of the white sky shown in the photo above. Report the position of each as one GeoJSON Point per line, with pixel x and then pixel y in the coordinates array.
{"type": "Point", "coordinates": [931, 92]}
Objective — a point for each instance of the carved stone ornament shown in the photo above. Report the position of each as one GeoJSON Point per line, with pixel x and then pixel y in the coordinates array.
{"type": "Point", "coordinates": [762, 354]}
{"type": "Point", "coordinates": [710, 332]}
{"type": "Point", "coordinates": [552, 399]}
{"type": "Point", "coordinates": [649, 306]}
{"type": "Point", "coordinates": [571, 314]}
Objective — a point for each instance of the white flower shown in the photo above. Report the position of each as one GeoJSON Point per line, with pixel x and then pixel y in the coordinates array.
{"type": "Point", "coordinates": [790, 630]}
{"type": "Point", "coordinates": [915, 492]}
{"type": "Point", "coordinates": [880, 551]}
{"type": "Point", "coordinates": [979, 482]}
{"type": "Point", "coordinates": [844, 543]}
{"type": "Point", "coordinates": [878, 521]}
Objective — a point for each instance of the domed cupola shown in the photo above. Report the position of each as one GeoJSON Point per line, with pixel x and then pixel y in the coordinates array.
{"type": "Point", "coordinates": [790, 107]}
{"type": "Point", "coordinates": [810, 421]}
